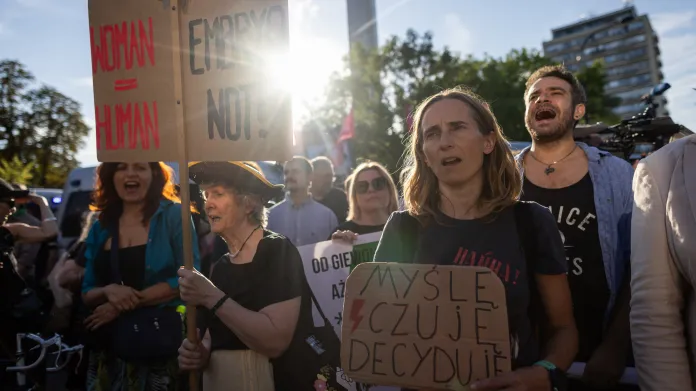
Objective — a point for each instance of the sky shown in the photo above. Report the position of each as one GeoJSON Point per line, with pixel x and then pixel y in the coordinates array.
{"type": "Point", "coordinates": [51, 39]}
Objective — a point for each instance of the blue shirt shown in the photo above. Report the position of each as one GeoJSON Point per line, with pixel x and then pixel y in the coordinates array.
{"type": "Point", "coordinates": [307, 223]}
{"type": "Point", "coordinates": [612, 179]}
{"type": "Point", "coordinates": [164, 254]}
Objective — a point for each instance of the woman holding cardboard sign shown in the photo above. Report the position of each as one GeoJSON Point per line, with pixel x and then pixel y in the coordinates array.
{"type": "Point", "coordinates": [132, 254]}
{"type": "Point", "coordinates": [462, 192]}
{"type": "Point", "coordinates": [372, 197]}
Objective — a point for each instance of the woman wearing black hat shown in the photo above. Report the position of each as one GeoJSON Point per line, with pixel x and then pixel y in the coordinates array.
{"type": "Point", "coordinates": [253, 298]}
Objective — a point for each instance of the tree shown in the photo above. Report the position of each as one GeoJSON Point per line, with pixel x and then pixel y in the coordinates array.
{"type": "Point", "coordinates": [599, 104]}
{"type": "Point", "coordinates": [15, 171]}
{"type": "Point", "coordinates": [40, 127]}
{"type": "Point", "coordinates": [382, 87]}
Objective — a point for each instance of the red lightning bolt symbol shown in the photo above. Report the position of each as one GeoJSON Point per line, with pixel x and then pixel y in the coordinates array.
{"type": "Point", "coordinates": [355, 313]}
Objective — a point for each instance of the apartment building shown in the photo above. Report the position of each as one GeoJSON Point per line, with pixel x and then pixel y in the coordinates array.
{"type": "Point", "coordinates": [628, 46]}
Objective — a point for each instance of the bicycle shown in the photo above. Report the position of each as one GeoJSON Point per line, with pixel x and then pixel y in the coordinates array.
{"type": "Point", "coordinates": [53, 346]}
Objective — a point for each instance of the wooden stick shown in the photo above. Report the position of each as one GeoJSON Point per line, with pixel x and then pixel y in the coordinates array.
{"type": "Point", "coordinates": [187, 237]}
{"type": "Point", "coordinates": [184, 193]}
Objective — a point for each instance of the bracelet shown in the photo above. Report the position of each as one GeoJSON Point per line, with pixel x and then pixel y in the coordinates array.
{"type": "Point", "coordinates": [49, 219]}
{"type": "Point", "coordinates": [219, 304]}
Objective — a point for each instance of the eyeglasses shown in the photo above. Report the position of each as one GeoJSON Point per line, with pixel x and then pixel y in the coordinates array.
{"type": "Point", "coordinates": [362, 187]}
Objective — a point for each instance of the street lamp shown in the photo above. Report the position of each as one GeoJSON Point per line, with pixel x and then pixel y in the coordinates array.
{"type": "Point", "coordinates": [620, 22]}
{"type": "Point", "coordinates": [587, 39]}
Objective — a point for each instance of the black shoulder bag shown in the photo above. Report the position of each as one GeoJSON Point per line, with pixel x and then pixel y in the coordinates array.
{"type": "Point", "coordinates": [314, 351]}
{"type": "Point", "coordinates": [144, 334]}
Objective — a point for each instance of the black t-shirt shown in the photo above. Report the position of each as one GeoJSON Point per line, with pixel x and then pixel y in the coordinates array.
{"type": "Point", "coordinates": [576, 216]}
{"type": "Point", "coordinates": [274, 275]}
{"type": "Point", "coordinates": [494, 244]}
{"type": "Point", "coordinates": [359, 229]}
{"type": "Point", "coordinates": [337, 201]}
{"type": "Point", "coordinates": [131, 265]}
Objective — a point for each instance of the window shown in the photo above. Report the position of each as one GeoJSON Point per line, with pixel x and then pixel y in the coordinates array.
{"type": "Point", "coordinates": [633, 94]}
{"type": "Point", "coordinates": [626, 56]}
{"type": "Point", "coordinates": [625, 109]}
{"type": "Point", "coordinates": [626, 69]}
{"type": "Point", "coordinates": [640, 79]}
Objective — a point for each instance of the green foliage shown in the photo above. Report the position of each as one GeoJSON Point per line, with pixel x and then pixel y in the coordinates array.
{"type": "Point", "coordinates": [15, 171]}
{"type": "Point", "coordinates": [383, 85]}
{"type": "Point", "coordinates": [40, 127]}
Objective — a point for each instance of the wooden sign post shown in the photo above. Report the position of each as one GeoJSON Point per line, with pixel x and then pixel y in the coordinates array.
{"type": "Point", "coordinates": [188, 81]}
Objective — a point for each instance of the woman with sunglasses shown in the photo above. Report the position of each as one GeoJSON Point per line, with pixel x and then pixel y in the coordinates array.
{"type": "Point", "coordinates": [372, 198]}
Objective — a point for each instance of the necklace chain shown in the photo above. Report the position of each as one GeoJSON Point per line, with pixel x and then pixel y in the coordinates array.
{"type": "Point", "coordinates": [243, 243]}
{"type": "Point", "coordinates": [548, 170]}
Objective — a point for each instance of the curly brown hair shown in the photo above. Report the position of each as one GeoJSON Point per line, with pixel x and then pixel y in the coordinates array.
{"type": "Point", "coordinates": [106, 199]}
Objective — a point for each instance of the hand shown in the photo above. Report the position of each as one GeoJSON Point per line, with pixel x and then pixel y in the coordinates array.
{"type": "Point", "coordinates": [102, 315]}
{"type": "Point", "coordinates": [124, 298]}
{"type": "Point", "coordinates": [192, 356]}
{"type": "Point", "coordinates": [605, 367]}
{"type": "Point", "coordinates": [534, 378]}
{"type": "Point", "coordinates": [345, 236]}
{"type": "Point", "coordinates": [195, 289]}
{"type": "Point", "coordinates": [37, 199]}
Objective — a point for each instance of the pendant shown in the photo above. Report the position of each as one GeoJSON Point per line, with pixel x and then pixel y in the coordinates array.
{"type": "Point", "coordinates": [549, 170]}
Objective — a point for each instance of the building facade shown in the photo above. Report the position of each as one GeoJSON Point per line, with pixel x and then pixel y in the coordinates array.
{"type": "Point", "coordinates": [628, 46]}
{"type": "Point", "coordinates": [362, 23]}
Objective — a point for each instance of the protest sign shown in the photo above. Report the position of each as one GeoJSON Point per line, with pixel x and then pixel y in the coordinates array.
{"type": "Point", "coordinates": [234, 109]}
{"type": "Point", "coordinates": [424, 326]}
{"type": "Point", "coordinates": [327, 266]}
{"type": "Point", "coordinates": [132, 74]}
{"type": "Point", "coordinates": [190, 82]}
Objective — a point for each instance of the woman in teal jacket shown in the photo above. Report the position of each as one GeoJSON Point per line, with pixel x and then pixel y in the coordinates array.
{"type": "Point", "coordinates": [133, 290]}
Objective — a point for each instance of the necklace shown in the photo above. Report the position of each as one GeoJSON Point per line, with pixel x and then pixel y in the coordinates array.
{"type": "Point", "coordinates": [243, 243]}
{"type": "Point", "coordinates": [548, 170]}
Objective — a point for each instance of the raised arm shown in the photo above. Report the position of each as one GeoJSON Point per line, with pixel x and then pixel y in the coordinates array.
{"type": "Point", "coordinates": [657, 294]}
{"type": "Point", "coordinates": [28, 234]}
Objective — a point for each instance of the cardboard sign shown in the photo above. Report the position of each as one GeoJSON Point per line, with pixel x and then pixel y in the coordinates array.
{"type": "Point", "coordinates": [424, 326]}
{"type": "Point", "coordinates": [197, 75]}
{"type": "Point", "coordinates": [133, 74]}
{"type": "Point", "coordinates": [234, 110]}
{"type": "Point", "coordinates": [327, 266]}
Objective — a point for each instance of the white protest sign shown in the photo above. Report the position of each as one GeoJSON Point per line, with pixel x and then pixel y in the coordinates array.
{"type": "Point", "coordinates": [327, 266]}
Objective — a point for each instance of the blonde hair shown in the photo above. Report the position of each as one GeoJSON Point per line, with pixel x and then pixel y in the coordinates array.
{"type": "Point", "coordinates": [502, 182]}
{"type": "Point", "coordinates": [353, 208]}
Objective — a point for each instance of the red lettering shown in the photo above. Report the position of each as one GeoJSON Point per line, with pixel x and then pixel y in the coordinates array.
{"type": "Point", "coordinates": [138, 42]}
{"type": "Point", "coordinates": [147, 43]}
{"type": "Point", "coordinates": [123, 117]}
{"type": "Point", "coordinates": [151, 128]}
{"type": "Point", "coordinates": [136, 120]}
{"type": "Point", "coordinates": [495, 266]}
{"type": "Point", "coordinates": [121, 40]}
{"type": "Point", "coordinates": [97, 52]}
{"type": "Point", "coordinates": [104, 124]}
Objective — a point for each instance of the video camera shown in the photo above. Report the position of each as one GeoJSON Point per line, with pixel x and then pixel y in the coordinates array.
{"type": "Point", "coordinates": [638, 136]}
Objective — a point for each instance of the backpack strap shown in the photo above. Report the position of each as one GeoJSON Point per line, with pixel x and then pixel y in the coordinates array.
{"type": "Point", "coordinates": [411, 230]}
{"type": "Point", "coordinates": [524, 218]}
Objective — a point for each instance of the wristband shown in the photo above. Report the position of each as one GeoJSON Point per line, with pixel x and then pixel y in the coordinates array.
{"type": "Point", "coordinates": [219, 304]}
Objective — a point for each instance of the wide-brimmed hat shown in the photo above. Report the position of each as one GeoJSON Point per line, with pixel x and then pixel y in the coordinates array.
{"type": "Point", "coordinates": [9, 192]}
{"type": "Point", "coordinates": [244, 176]}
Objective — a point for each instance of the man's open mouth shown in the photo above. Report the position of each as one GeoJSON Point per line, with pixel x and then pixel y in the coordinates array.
{"type": "Point", "coordinates": [544, 114]}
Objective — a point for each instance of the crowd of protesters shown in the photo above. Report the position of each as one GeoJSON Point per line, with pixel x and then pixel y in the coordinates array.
{"type": "Point", "coordinates": [605, 254]}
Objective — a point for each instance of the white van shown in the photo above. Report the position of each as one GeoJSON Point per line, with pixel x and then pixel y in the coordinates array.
{"type": "Point", "coordinates": [77, 195]}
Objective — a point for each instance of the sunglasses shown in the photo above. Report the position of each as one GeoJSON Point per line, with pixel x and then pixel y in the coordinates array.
{"type": "Point", "coordinates": [362, 187]}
